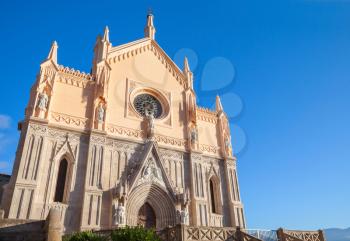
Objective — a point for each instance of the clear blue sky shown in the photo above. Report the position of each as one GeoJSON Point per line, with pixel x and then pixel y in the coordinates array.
{"type": "Point", "coordinates": [281, 67]}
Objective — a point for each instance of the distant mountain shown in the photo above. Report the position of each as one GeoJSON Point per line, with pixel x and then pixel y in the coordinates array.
{"type": "Point", "coordinates": [337, 234]}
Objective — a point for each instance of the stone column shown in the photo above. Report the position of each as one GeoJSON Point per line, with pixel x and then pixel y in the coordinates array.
{"type": "Point", "coordinates": [280, 234]}
{"type": "Point", "coordinates": [53, 225]}
{"type": "Point", "coordinates": [322, 235]}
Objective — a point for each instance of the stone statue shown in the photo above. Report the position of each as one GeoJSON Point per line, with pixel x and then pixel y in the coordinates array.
{"type": "Point", "coordinates": [194, 135]}
{"type": "Point", "coordinates": [184, 216]}
{"type": "Point", "coordinates": [148, 172]}
{"type": "Point", "coordinates": [43, 100]}
{"type": "Point", "coordinates": [150, 122]}
{"type": "Point", "coordinates": [119, 214]}
{"type": "Point", "coordinates": [152, 173]}
{"type": "Point", "coordinates": [115, 218]}
{"type": "Point", "coordinates": [100, 113]}
{"type": "Point", "coordinates": [186, 197]}
{"type": "Point", "coordinates": [228, 147]}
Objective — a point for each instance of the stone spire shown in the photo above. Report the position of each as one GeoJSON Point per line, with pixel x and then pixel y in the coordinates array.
{"type": "Point", "coordinates": [218, 105]}
{"type": "Point", "coordinates": [106, 35]}
{"type": "Point", "coordinates": [150, 30]}
{"type": "Point", "coordinates": [53, 52]}
{"type": "Point", "coordinates": [102, 46]}
{"type": "Point", "coordinates": [186, 66]}
{"type": "Point", "coordinates": [188, 74]}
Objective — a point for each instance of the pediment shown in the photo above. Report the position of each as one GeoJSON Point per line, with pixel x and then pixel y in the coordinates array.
{"type": "Point", "coordinates": [151, 170]}
{"type": "Point", "coordinates": [130, 50]}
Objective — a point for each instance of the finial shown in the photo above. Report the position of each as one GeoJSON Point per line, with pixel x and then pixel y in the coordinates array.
{"type": "Point", "coordinates": [149, 11]}
{"type": "Point", "coordinates": [150, 30]}
{"type": "Point", "coordinates": [218, 104]}
{"type": "Point", "coordinates": [186, 66]}
{"type": "Point", "coordinates": [53, 52]}
{"type": "Point", "coordinates": [106, 34]}
{"type": "Point", "coordinates": [187, 72]}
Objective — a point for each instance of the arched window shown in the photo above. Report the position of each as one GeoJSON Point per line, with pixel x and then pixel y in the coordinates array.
{"type": "Point", "coordinates": [61, 181]}
{"type": "Point", "coordinates": [212, 196]}
{"type": "Point", "coordinates": [215, 195]}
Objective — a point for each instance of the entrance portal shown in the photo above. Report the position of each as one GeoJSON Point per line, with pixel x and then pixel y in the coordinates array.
{"type": "Point", "coordinates": [146, 216]}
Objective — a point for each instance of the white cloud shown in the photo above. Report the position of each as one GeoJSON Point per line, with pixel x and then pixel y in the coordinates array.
{"type": "Point", "coordinates": [5, 121]}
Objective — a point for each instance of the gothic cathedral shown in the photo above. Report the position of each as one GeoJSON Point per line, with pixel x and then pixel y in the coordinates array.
{"type": "Point", "coordinates": [124, 145]}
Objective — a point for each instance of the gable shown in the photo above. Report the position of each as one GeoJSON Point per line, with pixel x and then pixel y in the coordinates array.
{"type": "Point", "coordinates": [140, 67]}
{"type": "Point", "coordinates": [151, 170]}
{"type": "Point", "coordinates": [148, 60]}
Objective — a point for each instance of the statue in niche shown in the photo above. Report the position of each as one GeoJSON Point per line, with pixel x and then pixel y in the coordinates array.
{"type": "Point", "coordinates": [43, 101]}
{"type": "Point", "coordinates": [100, 113]}
{"type": "Point", "coordinates": [194, 135]}
{"type": "Point", "coordinates": [148, 172]}
{"type": "Point", "coordinates": [228, 146]}
{"type": "Point", "coordinates": [183, 216]}
{"type": "Point", "coordinates": [149, 115]}
{"type": "Point", "coordinates": [119, 214]}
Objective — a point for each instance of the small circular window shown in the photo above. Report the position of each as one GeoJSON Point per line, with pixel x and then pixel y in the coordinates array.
{"type": "Point", "coordinates": [146, 103]}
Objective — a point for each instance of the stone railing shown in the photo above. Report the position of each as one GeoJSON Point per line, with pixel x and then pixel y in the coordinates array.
{"type": "Point", "coordinates": [195, 233]}
{"type": "Point", "coordinates": [209, 234]}
{"type": "Point", "coordinates": [296, 235]}
{"type": "Point", "coordinates": [216, 220]}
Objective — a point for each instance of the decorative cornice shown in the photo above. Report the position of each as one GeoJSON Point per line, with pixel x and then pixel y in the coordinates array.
{"type": "Point", "coordinates": [207, 115]}
{"type": "Point", "coordinates": [123, 131]}
{"type": "Point", "coordinates": [206, 110]}
{"type": "Point", "coordinates": [69, 120]}
{"type": "Point", "coordinates": [128, 132]}
{"type": "Point", "coordinates": [170, 140]}
{"type": "Point", "coordinates": [209, 149]}
{"type": "Point", "coordinates": [74, 77]}
{"type": "Point", "coordinates": [75, 73]}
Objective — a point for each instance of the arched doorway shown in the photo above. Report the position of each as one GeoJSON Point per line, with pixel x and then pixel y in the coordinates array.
{"type": "Point", "coordinates": [146, 217]}
{"type": "Point", "coordinates": [161, 202]}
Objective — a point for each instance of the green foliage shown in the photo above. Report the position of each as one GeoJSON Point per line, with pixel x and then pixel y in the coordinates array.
{"type": "Point", "coordinates": [84, 236]}
{"type": "Point", "coordinates": [134, 234]}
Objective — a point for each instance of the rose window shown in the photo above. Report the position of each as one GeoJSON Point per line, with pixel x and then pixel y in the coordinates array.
{"type": "Point", "coordinates": [146, 104]}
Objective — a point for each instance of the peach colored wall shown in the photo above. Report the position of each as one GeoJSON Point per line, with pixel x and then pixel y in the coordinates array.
{"type": "Point", "coordinates": [207, 133]}
{"type": "Point", "coordinates": [144, 68]}
{"type": "Point", "coordinates": [72, 100]}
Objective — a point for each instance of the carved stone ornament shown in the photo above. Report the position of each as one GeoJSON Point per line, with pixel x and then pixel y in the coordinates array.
{"type": "Point", "coordinates": [183, 216]}
{"type": "Point", "coordinates": [119, 214]}
{"type": "Point", "coordinates": [194, 135]}
{"type": "Point", "coordinates": [228, 146]}
{"type": "Point", "coordinates": [42, 102]}
{"type": "Point", "coordinates": [150, 123]}
{"type": "Point", "coordinates": [100, 114]}
{"type": "Point", "coordinates": [152, 173]}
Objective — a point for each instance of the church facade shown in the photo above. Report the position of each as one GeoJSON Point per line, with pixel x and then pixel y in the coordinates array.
{"type": "Point", "coordinates": [124, 145]}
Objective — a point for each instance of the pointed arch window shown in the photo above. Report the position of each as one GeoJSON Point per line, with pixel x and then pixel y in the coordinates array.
{"type": "Point", "coordinates": [212, 196]}
{"type": "Point", "coordinates": [215, 196]}
{"type": "Point", "coordinates": [61, 181]}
